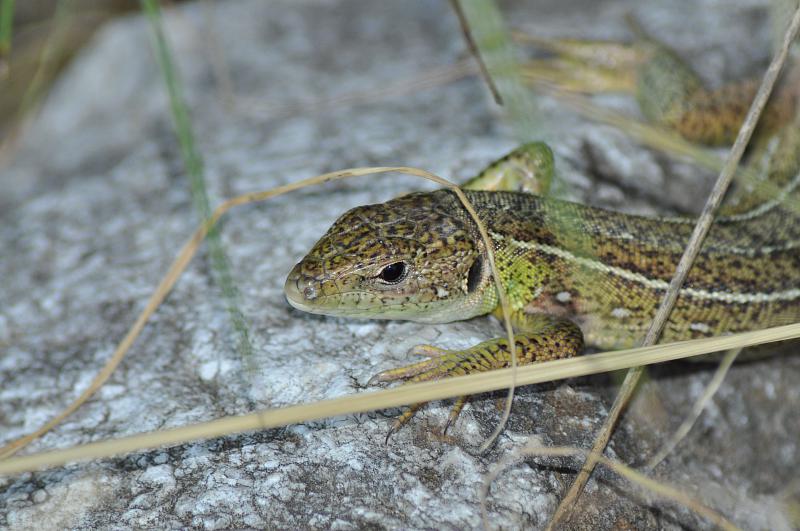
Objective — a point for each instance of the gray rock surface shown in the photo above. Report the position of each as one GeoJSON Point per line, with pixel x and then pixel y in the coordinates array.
{"type": "Point", "coordinates": [95, 203]}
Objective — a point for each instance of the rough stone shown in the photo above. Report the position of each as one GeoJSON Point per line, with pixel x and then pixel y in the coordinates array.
{"type": "Point", "coordinates": [95, 204]}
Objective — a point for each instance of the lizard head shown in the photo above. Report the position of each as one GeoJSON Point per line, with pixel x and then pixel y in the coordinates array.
{"type": "Point", "coordinates": [417, 258]}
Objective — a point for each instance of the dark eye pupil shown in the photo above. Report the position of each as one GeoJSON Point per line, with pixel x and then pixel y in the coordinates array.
{"type": "Point", "coordinates": [393, 272]}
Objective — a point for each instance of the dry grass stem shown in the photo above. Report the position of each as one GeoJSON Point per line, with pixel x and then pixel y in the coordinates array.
{"type": "Point", "coordinates": [697, 409]}
{"type": "Point", "coordinates": [434, 77]}
{"type": "Point", "coordinates": [405, 394]}
{"type": "Point", "coordinates": [667, 142]}
{"type": "Point", "coordinates": [475, 51]}
{"type": "Point", "coordinates": [661, 489]}
{"type": "Point", "coordinates": [190, 248]}
{"type": "Point", "coordinates": [682, 270]}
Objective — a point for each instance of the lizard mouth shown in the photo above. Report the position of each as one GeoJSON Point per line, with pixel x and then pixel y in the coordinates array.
{"type": "Point", "coordinates": [306, 293]}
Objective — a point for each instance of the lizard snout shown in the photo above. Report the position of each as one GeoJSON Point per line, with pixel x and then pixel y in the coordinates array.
{"type": "Point", "coordinates": [300, 290]}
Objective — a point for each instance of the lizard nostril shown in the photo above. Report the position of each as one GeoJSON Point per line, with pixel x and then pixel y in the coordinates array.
{"type": "Point", "coordinates": [310, 293]}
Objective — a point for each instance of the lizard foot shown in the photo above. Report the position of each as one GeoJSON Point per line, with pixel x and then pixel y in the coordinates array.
{"type": "Point", "coordinates": [409, 413]}
{"type": "Point", "coordinates": [547, 339]}
{"type": "Point", "coordinates": [441, 363]}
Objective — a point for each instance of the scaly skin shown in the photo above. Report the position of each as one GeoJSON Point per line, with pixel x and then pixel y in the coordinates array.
{"type": "Point", "coordinates": [573, 273]}
{"type": "Point", "coordinates": [604, 270]}
{"type": "Point", "coordinates": [671, 94]}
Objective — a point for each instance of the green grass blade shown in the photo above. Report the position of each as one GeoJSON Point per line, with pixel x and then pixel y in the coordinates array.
{"type": "Point", "coordinates": [6, 26]}
{"type": "Point", "coordinates": [194, 168]}
{"type": "Point", "coordinates": [499, 55]}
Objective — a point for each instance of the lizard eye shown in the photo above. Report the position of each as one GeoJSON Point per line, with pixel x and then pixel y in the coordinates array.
{"type": "Point", "coordinates": [393, 273]}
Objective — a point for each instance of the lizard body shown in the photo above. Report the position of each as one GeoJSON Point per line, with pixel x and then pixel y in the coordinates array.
{"type": "Point", "coordinates": [573, 273]}
{"type": "Point", "coordinates": [605, 270]}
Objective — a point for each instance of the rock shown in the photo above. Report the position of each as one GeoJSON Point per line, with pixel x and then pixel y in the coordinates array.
{"type": "Point", "coordinates": [96, 203]}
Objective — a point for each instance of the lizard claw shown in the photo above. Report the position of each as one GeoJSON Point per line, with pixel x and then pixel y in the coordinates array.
{"type": "Point", "coordinates": [402, 373]}
{"type": "Point", "coordinates": [389, 433]}
{"type": "Point", "coordinates": [403, 419]}
{"type": "Point", "coordinates": [375, 379]}
{"type": "Point", "coordinates": [455, 412]}
{"type": "Point", "coordinates": [429, 351]}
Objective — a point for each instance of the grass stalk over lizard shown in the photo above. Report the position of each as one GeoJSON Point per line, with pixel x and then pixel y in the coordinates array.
{"type": "Point", "coordinates": [406, 394]}
{"type": "Point", "coordinates": [190, 248]}
{"type": "Point", "coordinates": [692, 250]}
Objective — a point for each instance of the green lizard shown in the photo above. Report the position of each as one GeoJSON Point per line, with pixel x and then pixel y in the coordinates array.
{"type": "Point", "coordinates": [574, 274]}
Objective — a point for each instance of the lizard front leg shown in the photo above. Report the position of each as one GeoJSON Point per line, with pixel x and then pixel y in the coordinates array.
{"type": "Point", "coordinates": [540, 337]}
{"type": "Point", "coordinates": [529, 168]}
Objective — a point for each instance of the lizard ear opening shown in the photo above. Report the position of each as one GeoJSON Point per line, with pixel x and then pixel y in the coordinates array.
{"type": "Point", "coordinates": [474, 275]}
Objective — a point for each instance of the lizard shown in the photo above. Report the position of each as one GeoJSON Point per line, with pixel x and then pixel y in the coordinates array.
{"type": "Point", "coordinates": [575, 275]}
